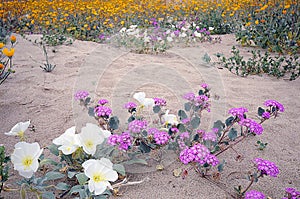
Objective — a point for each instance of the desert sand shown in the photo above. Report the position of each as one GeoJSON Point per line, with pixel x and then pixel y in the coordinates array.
{"type": "Point", "coordinates": [115, 74]}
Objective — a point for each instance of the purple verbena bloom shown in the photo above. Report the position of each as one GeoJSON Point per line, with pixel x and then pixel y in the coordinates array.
{"type": "Point", "coordinates": [175, 130]}
{"type": "Point", "coordinates": [176, 33]}
{"type": "Point", "coordinates": [238, 112]}
{"type": "Point", "coordinates": [266, 115]}
{"type": "Point", "coordinates": [125, 141]}
{"type": "Point", "coordinates": [152, 131]}
{"type": "Point", "coordinates": [204, 85]}
{"type": "Point", "coordinates": [160, 101]}
{"type": "Point", "coordinates": [202, 100]}
{"type": "Point", "coordinates": [161, 138]}
{"type": "Point", "coordinates": [185, 121]}
{"type": "Point", "coordinates": [113, 139]}
{"type": "Point", "coordinates": [184, 135]}
{"type": "Point", "coordinates": [210, 136]}
{"type": "Point", "coordinates": [181, 144]}
{"type": "Point", "coordinates": [253, 194]}
{"type": "Point", "coordinates": [292, 193]}
{"type": "Point", "coordinates": [136, 126]}
{"type": "Point", "coordinates": [212, 160]}
{"type": "Point", "coordinates": [189, 96]}
{"type": "Point", "coordinates": [186, 156]}
{"type": "Point", "coordinates": [200, 151]}
{"type": "Point", "coordinates": [274, 103]}
{"type": "Point", "coordinates": [266, 167]}
{"type": "Point", "coordinates": [102, 111]}
{"type": "Point", "coordinates": [130, 105]}
{"type": "Point", "coordinates": [102, 101]}
{"type": "Point", "coordinates": [81, 95]}
{"type": "Point", "coordinates": [252, 125]}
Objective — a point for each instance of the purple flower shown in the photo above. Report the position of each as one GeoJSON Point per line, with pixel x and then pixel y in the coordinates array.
{"type": "Point", "coordinates": [130, 105]}
{"type": "Point", "coordinates": [136, 126]}
{"type": "Point", "coordinates": [204, 85]}
{"type": "Point", "coordinates": [292, 193]}
{"type": "Point", "coordinates": [202, 100]}
{"type": "Point", "coordinates": [252, 126]}
{"type": "Point", "coordinates": [102, 111]}
{"type": "Point", "coordinates": [266, 115]}
{"type": "Point", "coordinates": [185, 121]}
{"type": "Point", "coordinates": [161, 138]}
{"type": "Point", "coordinates": [200, 151]}
{"type": "Point", "coordinates": [253, 194]}
{"type": "Point", "coordinates": [238, 112]}
{"type": "Point", "coordinates": [113, 139]}
{"type": "Point", "coordinates": [212, 159]}
{"type": "Point", "coordinates": [184, 135]}
{"type": "Point", "coordinates": [102, 101]}
{"type": "Point", "coordinates": [153, 131]}
{"type": "Point", "coordinates": [160, 101]}
{"type": "Point", "coordinates": [275, 104]}
{"type": "Point", "coordinates": [266, 167]}
{"type": "Point", "coordinates": [125, 141]}
{"type": "Point", "coordinates": [210, 136]}
{"type": "Point", "coordinates": [186, 156]}
{"type": "Point", "coordinates": [177, 32]}
{"type": "Point", "coordinates": [81, 95]}
{"type": "Point", "coordinates": [189, 96]}
{"type": "Point", "coordinates": [174, 130]}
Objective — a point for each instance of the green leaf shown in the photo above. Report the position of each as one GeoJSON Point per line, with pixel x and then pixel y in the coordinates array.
{"type": "Point", "coordinates": [195, 122]}
{"type": "Point", "coordinates": [181, 128]}
{"type": "Point", "coordinates": [48, 162]}
{"type": "Point", "coordinates": [229, 121]}
{"type": "Point", "coordinates": [221, 166]}
{"type": "Point", "coordinates": [48, 195]}
{"type": "Point", "coordinates": [144, 148]}
{"type": "Point", "coordinates": [114, 122]}
{"type": "Point", "coordinates": [53, 149]}
{"type": "Point", "coordinates": [120, 169]}
{"type": "Point", "coordinates": [87, 100]}
{"type": "Point", "coordinates": [182, 114]}
{"type": "Point", "coordinates": [200, 92]}
{"type": "Point", "coordinates": [130, 119]}
{"type": "Point", "coordinates": [135, 161]}
{"type": "Point", "coordinates": [82, 178]}
{"type": "Point", "coordinates": [219, 125]}
{"type": "Point", "coordinates": [156, 109]}
{"type": "Point", "coordinates": [187, 106]}
{"type": "Point", "coordinates": [76, 189]}
{"type": "Point", "coordinates": [232, 134]}
{"type": "Point", "coordinates": [62, 186]}
{"type": "Point", "coordinates": [91, 112]}
{"type": "Point", "coordinates": [54, 175]}
{"type": "Point", "coordinates": [260, 111]}
{"type": "Point", "coordinates": [71, 174]}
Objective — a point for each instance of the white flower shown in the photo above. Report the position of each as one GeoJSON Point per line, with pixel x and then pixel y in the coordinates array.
{"type": "Point", "coordinates": [211, 28]}
{"type": "Point", "coordinates": [25, 158]}
{"type": "Point", "coordinates": [168, 31]}
{"type": "Point", "coordinates": [91, 135]}
{"type": "Point", "coordinates": [19, 129]}
{"type": "Point", "coordinates": [183, 34]}
{"type": "Point", "coordinates": [69, 141]}
{"type": "Point", "coordinates": [140, 97]}
{"type": "Point", "coordinates": [100, 172]}
{"type": "Point", "coordinates": [133, 26]}
{"type": "Point", "coordinates": [183, 29]}
{"type": "Point", "coordinates": [123, 30]}
{"type": "Point", "coordinates": [170, 118]}
{"type": "Point", "coordinates": [169, 39]}
{"type": "Point", "coordinates": [197, 34]}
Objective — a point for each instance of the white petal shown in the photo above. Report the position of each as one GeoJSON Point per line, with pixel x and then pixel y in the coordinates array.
{"type": "Point", "coordinates": [106, 133]}
{"type": "Point", "coordinates": [88, 163]}
{"type": "Point", "coordinates": [106, 162]}
{"type": "Point", "coordinates": [111, 175]}
{"type": "Point", "coordinates": [148, 102]}
{"type": "Point", "coordinates": [24, 125]}
{"type": "Point", "coordinates": [26, 174]}
{"type": "Point", "coordinates": [100, 187]}
{"type": "Point", "coordinates": [140, 96]}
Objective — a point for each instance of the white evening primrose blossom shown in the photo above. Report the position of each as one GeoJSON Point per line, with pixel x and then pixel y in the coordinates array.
{"type": "Point", "coordinates": [68, 141]}
{"type": "Point", "coordinates": [91, 135]}
{"type": "Point", "coordinates": [170, 118]}
{"type": "Point", "coordinates": [211, 28]}
{"type": "Point", "coordinates": [141, 98]}
{"type": "Point", "coordinates": [197, 34]}
{"type": "Point", "coordinates": [25, 158]}
{"type": "Point", "coordinates": [19, 129]}
{"type": "Point", "coordinates": [100, 173]}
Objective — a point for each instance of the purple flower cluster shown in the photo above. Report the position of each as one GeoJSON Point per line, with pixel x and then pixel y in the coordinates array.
{"type": "Point", "coordinates": [189, 96]}
{"type": "Point", "coordinates": [266, 115]}
{"type": "Point", "coordinates": [198, 153]}
{"type": "Point", "coordinates": [81, 95]}
{"type": "Point", "coordinates": [253, 194]}
{"type": "Point", "coordinates": [102, 111]}
{"type": "Point", "coordinates": [266, 167]}
{"type": "Point", "coordinates": [210, 136]}
{"type": "Point", "coordinates": [130, 105]}
{"type": "Point", "coordinates": [161, 138]}
{"type": "Point", "coordinates": [204, 85]}
{"type": "Point", "coordinates": [123, 140]}
{"type": "Point", "coordinates": [201, 100]}
{"type": "Point", "coordinates": [238, 112]}
{"type": "Point", "coordinates": [185, 121]}
{"type": "Point", "coordinates": [274, 103]}
{"type": "Point", "coordinates": [252, 125]}
{"type": "Point", "coordinates": [102, 101]}
{"type": "Point", "coordinates": [291, 193]}
{"type": "Point", "coordinates": [136, 126]}
{"type": "Point", "coordinates": [180, 141]}
{"type": "Point", "coordinates": [159, 101]}
{"type": "Point", "coordinates": [152, 131]}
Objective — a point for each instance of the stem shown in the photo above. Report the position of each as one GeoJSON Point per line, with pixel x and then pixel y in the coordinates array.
{"type": "Point", "coordinates": [225, 131]}
{"type": "Point", "coordinates": [238, 141]}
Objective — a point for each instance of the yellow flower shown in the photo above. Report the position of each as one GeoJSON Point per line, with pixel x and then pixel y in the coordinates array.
{"type": "Point", "coordinates": [287, 6]}
{"type": "Point", "coordinates": [13, 39]}
{"type": "Point", "coordinates": [284, 12]}
{"type": "Point", "coordinates": [1, 66]}
{"type": "Point", "coordinates": [256, 22]}
{"type": "Point", "coordinates": [8, 53]}
{"type": "Point", "coordinates": [1, 45]}
{"type": "Point", "coordinates": [248, 24]}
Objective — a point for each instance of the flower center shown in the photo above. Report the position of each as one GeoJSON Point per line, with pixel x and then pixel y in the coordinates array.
{"type": "Point", "coordinates": [27, 161]}
{"type": "Point", "coordinates": [89, 144]}
{"type": "Point", "coordinates": [98, 177]}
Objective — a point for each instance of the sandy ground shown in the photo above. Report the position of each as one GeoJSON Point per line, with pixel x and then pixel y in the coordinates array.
{"type": "Point", "coordinates": [47, 100]}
